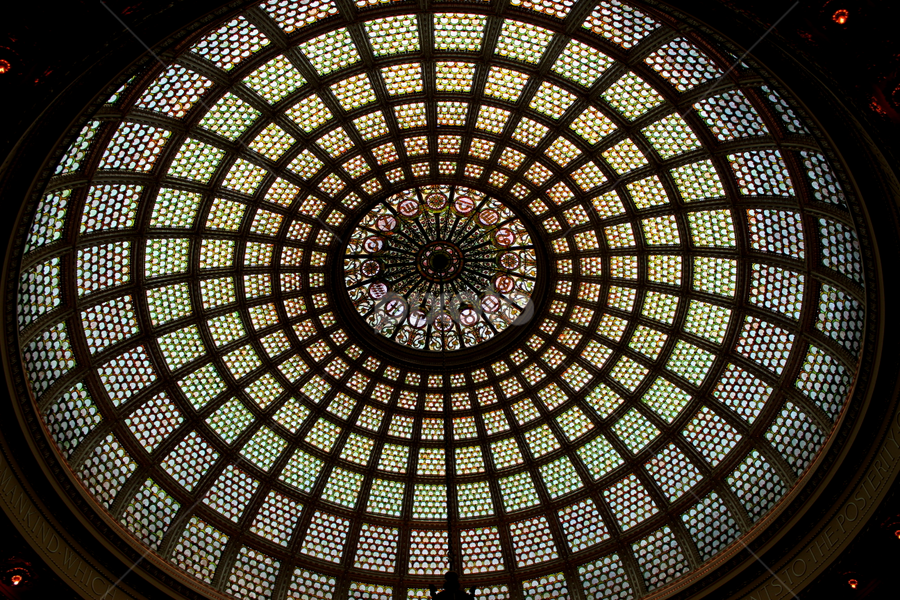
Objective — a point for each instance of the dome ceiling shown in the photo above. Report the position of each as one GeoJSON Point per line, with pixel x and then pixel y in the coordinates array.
{"type": "Point", "coordinates": [223, 324]}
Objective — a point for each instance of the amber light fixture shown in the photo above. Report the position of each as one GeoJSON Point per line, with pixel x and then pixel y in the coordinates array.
{"type": "Point", "coordinates": [5, 66]}
{"type": "Point", "coordinates": [18, 575]}
{"type": "Point", "coordinates": [840, 17]}
{"type": "Point", "coordinates": [853, 583]}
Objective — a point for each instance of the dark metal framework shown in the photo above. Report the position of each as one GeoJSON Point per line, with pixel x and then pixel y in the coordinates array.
{"type": "Point", "coordinates": [326, 238]}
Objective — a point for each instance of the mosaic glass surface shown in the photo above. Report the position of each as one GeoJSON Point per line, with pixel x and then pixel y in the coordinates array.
{"type": "Point", "coordinates": [181, 292]}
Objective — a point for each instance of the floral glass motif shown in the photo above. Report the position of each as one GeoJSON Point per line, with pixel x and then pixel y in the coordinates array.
{"type": "Point", "coordinates": [440, 268]}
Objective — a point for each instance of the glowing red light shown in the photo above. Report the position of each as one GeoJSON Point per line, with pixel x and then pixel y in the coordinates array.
{"type": "Point", "coordinates": [840, 17]}
{"type": "Point", "coordinates": [897, 533]}
{"type": "Point", "coordinates": [853, 583]}
{"type": "Point", "coordinates": [16, 579]}
{"type": "Point", "coordinates": [5, 67]}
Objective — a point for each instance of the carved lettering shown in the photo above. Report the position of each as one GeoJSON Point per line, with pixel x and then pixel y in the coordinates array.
{"type": "Point", "coordinates": [879, 466]}
{"type": "Point", "coordinates": [104, 586]}
{"type": "Point", "coordinates": [69, 559]}
{"type": "Point", "coordinates": [46, 531]}
{"type": "Point", "coordinates": [5, 478]}
{"type": "Point", "coordinates": [864, 486]}
{"type": "Point", "coordinates": [767, 596]}
{"type": "Point", "coordinates": [82, 568]}
{"type": "Point", "coordinates": [847, 512]}
{"type": "Point", "coordinates": [864, 496]}
{"type": "Point", "coordinates": [892, 437]}
{"type": "Point", "coordinates": [819, 545]}
{"type": "Point", "coordinates": [19, 503]}
{"type": "Point", "coordinates": [110, 593]}
{"type": "Point", "coordinates": [886, 448]}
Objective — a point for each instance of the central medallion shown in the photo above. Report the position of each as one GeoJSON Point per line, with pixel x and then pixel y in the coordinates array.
{"type": "Point", "coordinates": [440, 261]}
{"type": "Point", "coordinates": [441, 268]}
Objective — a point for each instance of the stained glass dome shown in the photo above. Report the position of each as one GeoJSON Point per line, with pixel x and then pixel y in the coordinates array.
{"type": "Point", "coordinates": [635, 252]}
{"type": "Point", "coordinates": [441, 268]}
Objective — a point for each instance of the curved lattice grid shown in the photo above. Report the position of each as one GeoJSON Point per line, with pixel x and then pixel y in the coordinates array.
{"type": "Point", "coordinates": [692, 356]}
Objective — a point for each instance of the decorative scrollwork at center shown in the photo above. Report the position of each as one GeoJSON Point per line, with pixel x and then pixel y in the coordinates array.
{"type": "Point", "coordinates": [440, 268]}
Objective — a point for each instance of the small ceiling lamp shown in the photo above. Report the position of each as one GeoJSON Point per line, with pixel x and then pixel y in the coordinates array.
{"type": "Point", "coordinates": [853, 583]}
{"type": "Point", "coordinates": [19, 575]}
{"type": "Point", "coordinates": [892, 524]}
{"type": "Point", "coordinates": [452, 589]}
{"type": "Point", "coordinates": [840, 16]}
{"type": "Point", "coordinates": [5, 66]}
